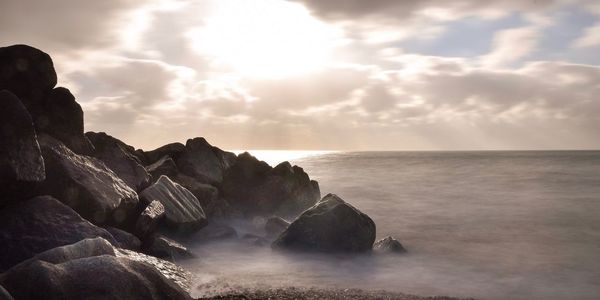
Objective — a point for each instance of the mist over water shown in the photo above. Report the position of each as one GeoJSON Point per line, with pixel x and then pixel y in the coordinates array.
{"type": "Point", "coordinates": [489, 225]}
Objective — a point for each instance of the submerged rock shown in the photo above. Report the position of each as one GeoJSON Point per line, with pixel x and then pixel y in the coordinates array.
{"type": "Point", "coordinates": [332, 225]}
{"type": "Point", "coordinates": [85, 184]}
{"type": "Point", "coordinates": [388, 245]}
{"type": "Point", "coordinates": [38, 224]}
{"type": "Point", "coordinates": [149, 219]}
{"type": "Point", "coordinates": [183, 212]}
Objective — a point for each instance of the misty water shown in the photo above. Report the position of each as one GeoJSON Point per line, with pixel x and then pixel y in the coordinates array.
{"type": "Point", "coordinates": [489, 225]}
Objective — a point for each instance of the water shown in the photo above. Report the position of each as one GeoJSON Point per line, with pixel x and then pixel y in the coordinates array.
{"type": "Point", "coordinates": [489, 225]}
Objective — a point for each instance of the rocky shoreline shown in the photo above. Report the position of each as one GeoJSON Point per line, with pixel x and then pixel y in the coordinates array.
{"type": "Point", "coordinates": [84, 215]}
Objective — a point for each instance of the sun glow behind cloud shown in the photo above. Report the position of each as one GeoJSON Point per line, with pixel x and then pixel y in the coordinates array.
{"type": "Point", "coordinates": [265, 38]}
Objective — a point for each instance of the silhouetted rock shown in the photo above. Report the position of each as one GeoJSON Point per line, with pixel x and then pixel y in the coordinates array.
{"type": "Point", "coordinates": [257, 189]}
{"type": "Point", "coordinates": [165, 248]}
{"type": "Point", "coordinates": [149, 219]}
{"type": "Point", "coordinates": [388, 245]}
{"type": "Point", "coordinates": [202, 161]}
{"type": "Point", "coordinates": [38, 224]}
{"type": "Point", "coordinates": [85, 184]}
{"type": "Point", "coordinates": [21, 162]}
{"type": "Point", "coordinates": [275, 226]}
{"type": "Point", "coordinates": [125, 239]}
{"type": "Point", "coordinates": [330, 226]}
{"type": "Point", "coordinates": [164, 166]}
{"type": "Point", "coordinates": [119, 157]}
{"type": "Point", "coordinates": [89, 269]}
{"type": "Point", "coordinates": [183, 212]}
{"type": "Point", "coordinates": [172, 150]}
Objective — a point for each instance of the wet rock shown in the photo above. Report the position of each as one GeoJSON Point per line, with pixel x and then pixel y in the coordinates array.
{"type": "Point", "coordinates": [89, 269]}
{"type": "Point", "coordinates": [173, 150]}
{"type": "Point", "coordinates": [164, 166]}
{"type": "Point", "coordinates": [165, 248]}
{"type": "Point", "coordinates": [119, 157]}
{"type": "Point", "coordinates": [85, 184]}
{"type": "Point", "coordinates": [257, 189]}
{"type": "Point", "coordinates": [149, 219]}
{"type": "Point", "coordinates": [183, 212]}
{"type": "Point", "coordinates": [202, 161]}
{"type": "Point", "coordinates": [275, 226]}
{"type": "Point", "coordinates": [38, 224]}
{"type": "Point", "coordinates": [125, 239]}
{"type": "Point", "coordinates": [332, 225]}
{"type": "Point", "coordinates": [388, 245]}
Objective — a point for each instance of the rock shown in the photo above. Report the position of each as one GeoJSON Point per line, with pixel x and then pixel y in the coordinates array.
{"type": "Point", "coordinates": [388, 245]}
{"type": "Point", "coordinates": [26, 72]}
{"type": "Point", "coordinates": [172, 150]}
{"type": "Point", "coordinates": [149, 219]}
{"type": "Point", "coordinates": [38, 224]}
{"type": "Point", "coordinates": [164, 166]}
{"type": "Point", "coordinates": [89, 269]}
{"type": "Point", "coordinates": [214, 232]}
{"type": "Point", "coordinates": [255, 239]}
{"type": "Point", "coordinates": [4, 295]}
{"type": "Point", "coordinates": [275, 226]}
{"type": "Point", "coordinates": [165, 248]}
{"type": "Point", "coordinates": [183, 212]}
{"type": "Point", "coordinates": [86, 184]}
{"type": "Point", "coordinates": [207, 195]}
{"type": "Point", "coordinates": [125, 239]}
{"type": "Point", "coordinates": [332, 225]}
{"type": "Point", "coordinates": [21, 162]}
{"type": "Point", "coordinates": [119, 157]}
{"type": "Point", "coordinates": [202, 161]}
{"type": "Point", "coordinates": [257, 189]}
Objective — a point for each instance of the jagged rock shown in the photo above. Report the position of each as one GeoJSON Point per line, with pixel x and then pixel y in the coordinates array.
{"type": "Point", "coordinates": [89, 269]}
{"type": "Point", "coordinates": [172, 150]}
{"type": "Point", "coordinates": [388, 245]}
{"type": "Point", "coordinates": [257, 189]}
{"type": "Point", "coordinates": [330, 226]}
{"type": "Point", "coordinates": [149, 219]}
{"type": "Point", "coordinates": [85, 184]}
{"type": "Point", "coordinates": [214, 232]}
{"type": "Point", "coordinates": [164, 166]}
{"type": "Point", "coordinates": [207, 195]}
{"type": "Point", "coordinates": [38, 224]}
{"type": "Point", "coordinates": [165, 248]}
{"type": "Point", "coordinates": [275, 226]}
{"type": "Point", "coordinates": [119, 157]}
{"type": "Point", "coordinates": [21, 162]}
{"type": "Point", "coordinates": [202, 161]}
{"type": "Point", "coordinates": [183, 212]}
{"type": "Point", "coordinates": [125, 239]}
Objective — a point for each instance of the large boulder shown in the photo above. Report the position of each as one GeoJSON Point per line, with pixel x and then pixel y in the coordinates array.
{"type": "Point", "coordinates": [164, 166]}
{"type": "Point", "coordinates": [183, 212]}
{"type": "Point", "coordinates": [38, 224]}
{"type": "Point", "coordinates": [125, 239]}
{"type": "Point", "coordinates": [86, 184]}
{"type": "Point", "coordinates": [330, 226]}
{"type": "Point", "coordinates": [203, 162]}
{"type": "Point", "coordinates": [166, 248]}
{"type": "Point", "coordinates": [21, 162]}
{"type": "Point", "coordinates": [275, 226]}
{"type": "Point", "coordinates": [90, 269]}
{"type": "Point", "coordinates": [257, 189]}
{"type": "Point", "coordinates": [149, 219]}
{"type": "Point", "coordinates": [207, 195]}
{"type": "Point", "coordinates": [173, 150]}
{"type": "Point", "coordinates": [120, 158]}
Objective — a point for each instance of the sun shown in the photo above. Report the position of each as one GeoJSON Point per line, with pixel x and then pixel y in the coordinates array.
{"type": "Point", "coordinates": [265, 38]}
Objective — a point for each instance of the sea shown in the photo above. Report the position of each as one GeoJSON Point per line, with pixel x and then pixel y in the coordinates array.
{"type": "Point", "coordinates": [487, 225]}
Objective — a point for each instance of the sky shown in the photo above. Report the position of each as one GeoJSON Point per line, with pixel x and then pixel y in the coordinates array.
{"type": "Point", "coordinates": [326, 75]}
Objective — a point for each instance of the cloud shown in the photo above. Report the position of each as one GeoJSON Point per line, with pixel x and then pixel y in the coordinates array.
{"type": "Point", "coordinates": [589, 38]}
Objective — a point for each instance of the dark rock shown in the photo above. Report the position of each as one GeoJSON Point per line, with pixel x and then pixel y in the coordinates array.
{"type": "Point", "coordinates": [21, 162]}
{"type": "Point", "coordinates": [388, 245]}
{"type": "Point", "coordinates": [330, 226]}
{"type": "Point", "coordinates": [257, 189]}
{"type": "Point", "coordinates": [164, 166]}
{"type": "Point", "coordinates": [149, 219]}
{"type": "Point", "coordinates": [125, 239]}
{"type": "Point", "coordinates": [85, 184]}
{"type": "Point", "coordinates": [275, 226]}
{"type": "Point", "coordinates": [38, 224]}
{"type": "Point", "coordinates": [4, 295]}
{"type": "Point", "coordinates": [26, 72]}
{"type": "Point", "coordinates": [202, 161]}
{"type": "Point", "coordinates": [183, 212]}
{"type": "Point", "coordinates": [89, 270]}
{"type": "Point", "coordinates": [207, 195]}
{"type": "Point", "coordinates": [214, 232]}
{"type": "Point", "coordinates": [165, 248]}
{"type": "Point", "coordinates": [172, 150]}
{"type": "Point", "coordinates": [254, 239]}
{"type": "Point", "coordinates": [119, 157]}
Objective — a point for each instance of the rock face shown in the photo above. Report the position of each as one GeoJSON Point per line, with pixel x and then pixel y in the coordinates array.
{"type": "Point", "coordinates": [164, 166]}
{"type": "Point", "coordinates": [21, 161]}
{"type": "Point", "coordinates": [258, 189]}
{"type": "Point", "coordinates": [388, 245]}
{"type": "Point", "coordinates": [149, 219]}
{"type": "Point", "coordinates": [275, 226]}
{"type": "Point", "coordinates": [85, 184]}
{"type": "Point", "coordinates": [202, 161]}
{"type": "Point", "coordinates": [38, 224]}
{"type": "Point", "coordinates": [90, 269]}
{"type": "Point", "coordinates": [119, 157]}
{"type": "Point", "coordinates": [165, 248]}
{"type": "Point", "coordinates": [330, 226]}
{"type": "Point", "coordinates": [207, 195]}
{"type": "Point", "coordinates": [173, 150]}
{"type": "Point", "coordinates": [183, 212]}
{"type": "Point", "coordinates": [125, 239]}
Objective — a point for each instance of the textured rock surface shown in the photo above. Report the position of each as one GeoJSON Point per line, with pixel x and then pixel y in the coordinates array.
{"type": "Point", "coordinates": [207, 195]}
{"type": "Point", "coordinates": [125, 239]}
{"type": "Point", "coordinates": [38, 224]}
{"type": "Point", "coordinates": [86, 184]}
{"type": "Point", "coordinates": [163, 247]}
{"type": "Point", "coordinates": [149, 219]}
{"type": "Point", "coordinates": [388, 245]}
{"type": "Point", "coordinates": [330, 226]}
{"type": "Point", "coordinates": [183, 212]}
{"type": "Point", "coordinates": [120, 158]}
